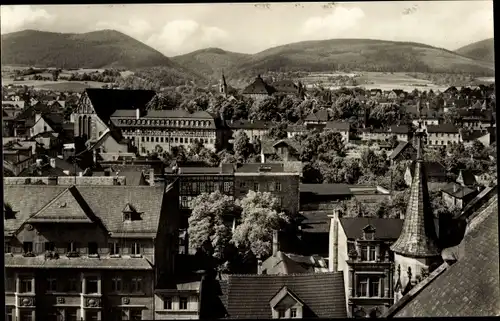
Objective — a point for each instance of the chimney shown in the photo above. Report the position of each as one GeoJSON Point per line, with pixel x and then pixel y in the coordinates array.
{"type": "Point", "coordinates": [151, 177]}
{"type": "Point", "coordinates": [259, 265]}
{"type": "Point", "coordinates": [333, 243]}
{"type": "Point", "coordinates": [53, 162]}
{"type": "Point", "coordinates": [276, 244]}
{"type": "Point", "coordinates": [39, 162]}
{"type": "Point", "coordinates": [137, 113]}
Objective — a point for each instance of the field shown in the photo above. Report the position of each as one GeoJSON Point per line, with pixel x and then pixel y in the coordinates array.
{"type": "Point", "coordinates": [55, 85]}
{"type": "Point", "coordinates": [369, 80]}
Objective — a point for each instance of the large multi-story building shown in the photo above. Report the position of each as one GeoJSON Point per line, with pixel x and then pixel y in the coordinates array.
{"type": "Point", "coordinates": [91, 253]}
{"type": "Point", "coordinates": [160, 130]}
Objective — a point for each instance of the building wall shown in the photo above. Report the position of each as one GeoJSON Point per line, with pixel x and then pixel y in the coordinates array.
{"type": "Point", "coordinates": [442, 139]}
{"type": "Point", "coordinates": [191, 313]}
{"type": "Point", "coordinates": [416, 265]}
{"type": "Point", "coordinates": [288, 195]}
{"type": "Point", "coordinates": [342, 263]}
{"type": "Point", "coordinates": [40, 126]}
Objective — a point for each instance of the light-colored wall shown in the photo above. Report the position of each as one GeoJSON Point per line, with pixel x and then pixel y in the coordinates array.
{"type": "Point", "coordinates": [416, 264]}
{"type": "Point", "coordinates": [176, 314]}
{"type": "Point", "coordinates": [442, 139]}
{"type": "Point", "coordinates": [343, 256]}
{"type": "Point", "coordinates": [40, 126]}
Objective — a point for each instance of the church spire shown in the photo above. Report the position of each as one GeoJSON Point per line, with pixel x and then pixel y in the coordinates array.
{"type": "Point", "coordinates": [418, 236]}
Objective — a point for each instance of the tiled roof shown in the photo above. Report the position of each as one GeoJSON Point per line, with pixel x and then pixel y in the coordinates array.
{"type": "Point", "coordinates": [258, 167]}
{"type": "Point", "coordinates": [248, 124]}
{"type": "Point", "coordinates": [473, 135]}
{"type": "Point", "coordinates": [323, 115]}
{"type": "Point", "coordinates": [401, 129]}
{"type": "Point", "coordinates": [316, 221]}
{"type": "Point", "coordinates": [280, 263]}
{"type": "Point", "coordinates": [107, 101]}
{"type": "Point", "coordinates": [267, 146]}
{"type": "Point", "coordinates": [385, 228]}
{"type": "Point", "coordinates": [468, 288]}
{"type": "Point", "coordinates": [401, 146]}
{"type": "Point", "coordinates": [249, 296]}
{"type": "Point", "coordinates": [259, 86]}
{"type": "Point", "coordinates": [418, 237]}
{"type": "Point", "coordinates": [338, 125]}
{"type": "Point", "coordinates": [77, 262]}
{"type": "Point", "coordinates": [443, 128]}
{"type": "Point", "coordinates": [54, 120]}
{"type": "Point", "coordinates": [147, 200]}
{"type": "Point", "coordinates": [286, 86]}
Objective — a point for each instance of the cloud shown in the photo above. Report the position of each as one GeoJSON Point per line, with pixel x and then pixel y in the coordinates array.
{"type": "Point", "coordinates": [182, 36]}
{"type": "Point", "coordinates": [134, 27]}
{"type": "Point", "coordinates": [19, 17]}
{"type": "Point", "coordinates": [334, 24]}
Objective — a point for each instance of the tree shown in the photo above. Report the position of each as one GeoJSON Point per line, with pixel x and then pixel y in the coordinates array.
{"type": "Point", "coordinates": [477, 150]}
{"type": "Point", "coordinates": [309, 144]}
{"type": "Point", "coordinates": [374, 163]}
{"type": "Point", "coordinates": [265, 109]}
{"type": "Point", "coordinates": [452, 115]}
{"type": "Point", "coordinates": [242, 145]}
{"type": "Point", "coordinates": [209, 224]}
{"type": "Point", "coordinates": [259, 218]}
{"type": "Point", "coordinates": [278, 131]}
{"type": "Point", "coordinates": [55, 74]}
{"type": "Point", "coordinates": [345, 107]}
{"type": "Point", "coordinates": [331, 141]}
{"type": "Point", "coordinates": [393, 141]}
{"type": "Point", "coordinates": [227, 157]}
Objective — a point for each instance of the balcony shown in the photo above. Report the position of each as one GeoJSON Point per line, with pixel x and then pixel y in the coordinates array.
{"type": "Point", "coordinates": [26, 300]}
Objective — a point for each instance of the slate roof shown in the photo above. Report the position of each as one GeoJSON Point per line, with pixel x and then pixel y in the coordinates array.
{"type": "Point", "coordinates": [256, 167]}
{"type": "Point", "coordinates": [442, 128]}
{"type": "Point", "coordinates": [54, 120]}
{"type": "Point", "coordinates": [316, 221]}
{"type": "Point", "coordinates": [385, 228]}
{"type": "Point", "coordinates": [259, 86]}
{"type": "Point", "coordinates": [418, 237]}
{"type": "Point", "coordinates": [249, 296]}
{"type": "Point", "coordinates": [267, 146]}
{"type": "Point", "coordinates": [77, 262]}
{"type": "Point", "coordinates": [281, 264]}
{"type": "Point", "coordinates": [107, 101]}
{"type": "Point", "coordinates": [326, 189]}
{"type": "Point", "coordinates": [468, 288]}
{"type": "Point", "coordinates": [147, 200]}
{"type": "Point", "coordinates": [247, 124]}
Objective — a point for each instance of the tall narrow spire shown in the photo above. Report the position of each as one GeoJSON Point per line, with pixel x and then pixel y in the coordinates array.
{"type": "Point", "coordinates": [418, 236]}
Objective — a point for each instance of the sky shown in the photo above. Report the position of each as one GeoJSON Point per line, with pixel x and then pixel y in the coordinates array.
{"type": "Point", "coordinates": [175, 29]}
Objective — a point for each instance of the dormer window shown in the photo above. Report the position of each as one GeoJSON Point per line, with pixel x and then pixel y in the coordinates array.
{"type": "Point", "coordinates": [130, 213]}
{"type": "Point", "coordinates": [368, 233]}
{"type": "Point", "coordinates": [285, 304]}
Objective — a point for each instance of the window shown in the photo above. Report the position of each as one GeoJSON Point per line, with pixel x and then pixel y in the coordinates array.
{"type": "Point", "coordinates": [91, 315]}
{"type": "Point", "coordinates": [293, 313]}
{"type": "Point", "coordinates": [72, 247]}
{"type": "Point", "coordinates": [142, 139]}
{"type": "Point", "coordinates": [369, 286]}
{"type": "Point", "coordinates": [92, 285]}
{"type": "Point", "coordinates": [281, 313]}
{"type": "Point", "coordinates": [242, 184]}
{"type": "Point", "coordinates": [227, 187]}
{"type": "Point", "coordinates": [167, 303]}
{"type": "Point", "coordinates": [368, 253]}
{"type": "Point", "coordinates": [71, 314]}
{"type": "Point", "coordinates": [92, 248]}
{"type": "Point", "coordinates": [25, 315]}
{"type": "Point", "coordinates": [7, 247]}
{"type": "Point", "coordinates": [51, 285]}
{"type": "Point", "coordinates": [116, 285]}
{"type": "Point", "coordinates": [271, 187]}
{"type": "Point", "coordinates": [362, 287]}
{"type": "Point", "coordinates": [26, 285]}
{"type": "Point", "coordinates": [162, 139]}
{"type": "Point", "coordinates": [157, 139]}
{"type": "Point", "coordinates": [136, 285]}
{"type": "Point", "coordinates": [10, 284]}
{"type": "Point", "coordinates": [135, 249]}
{"type": "Point", "coordinates": [50, 246]}
{"type": "Point", "coordinates": [278, 187]}
{"type": "Point", "coordinates": [256, 187]}
{"type": "Point", "coordinates": [364, 253]}
{"type": "Point", "coordinates": [147, 138]}
{"type": "Point", "coordinates": [374, 287]}
{"type": "Point", "coordinates": [28, 247]}
{"type": "Point", "coordinates": [176, 139]}
{"type": "Point", "coordinates": [72, 285]}
{"type": "Point", "coordinates": [183, 304]}
{"type": "Point", "coordinates": [114, 248]}
{"type": "Point", "coordinates": [10, 313]}
{"type": "Point", "coordinates": [135, 314]}
{"type": "Point", "coordinates": [372, 255]}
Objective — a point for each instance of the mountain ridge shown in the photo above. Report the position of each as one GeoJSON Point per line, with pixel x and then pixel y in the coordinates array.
{"type": "Point", "coordinates": [481, 50]}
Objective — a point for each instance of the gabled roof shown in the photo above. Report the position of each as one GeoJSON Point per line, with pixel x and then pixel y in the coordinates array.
{"type": "Point", "coordinates": [249, 296]}
{"type": "Point", "coordinates": [259, 86]}
{"type": "Point", "coordinates": [399, 149]}
{"type": "Point", "coordinates": [326, 189]}
{"type": "Point", "coordinates": [458, 191]}
{"type": "Point", "coordinates": [468, 288]}
{"type": "Point", "coordinates": [283, 293]}
{"type": "Point", "coordinates": [267, 146]}
{"type": "Point", "coordinates": [107, 101]}
{"type": "Point", "coordinates": [466, 177]}
{"type": "Point", "coordinates": [385, 228]}
{"type": "Point", "coordinates": [54, 120]}
{"type": "Point", "coordinates": [286, 86]}
{"type": "Point", "coordinates": [442, 128]}
{"type": "Point", "coordinates": [280, 263]}
{"type": "Point", "coordinates": [401, 129]}
{"type": "Point", "coordinates": [323, 115]}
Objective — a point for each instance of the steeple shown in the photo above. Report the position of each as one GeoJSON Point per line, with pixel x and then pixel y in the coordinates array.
{"type": "Point", "coordinates": [223, 85]}
{"type": "Point", "coordinates": [418, 237]}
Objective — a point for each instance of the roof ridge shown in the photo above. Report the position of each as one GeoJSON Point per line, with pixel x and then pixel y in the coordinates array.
{"type": "Point", "coordinates": [285, 275]}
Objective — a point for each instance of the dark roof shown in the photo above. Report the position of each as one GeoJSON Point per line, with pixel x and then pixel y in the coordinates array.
{"type": "Point", "coordinates": [466, 177]}
{"type": "Point", "coordinates": [418, 237]}
{"type": "Point", "coordinates": [473, 135]}
{"type": "Point", "coordinates": [288, 263]}
{"type": "Point", "coordinates": [338, 125]}
{"type": "Point", "coordinates": [259, 167]}
{"type": "Point", "coordinates": [468, 288]}
{"type": "Point", "coordinates": [249, 124]}
{"type": "Point", "coordinates": [54, 120]}
{"type": "Point", "coordinates": [78, 262]}
{"type": "Point", "coordinates": [399, 149]}
{"type": "Point", "coordinates": [147, 200]}
{"type": "Point", "coordinates": [268, 146]}
{"type": "Point", "coordinates": [107, 101]}
{"type": "Point", "coordinates": [442, 128]}
{"type": "Point", "coordinates": [285, 86]}
{"type": "Point", "coordinates": [385, 228]}
{"type": "Point", "coordinates": [249, 296]}
{"type": "Point", "coordinates": [259, 86]}
{"type": "Point", "coordinates": [401, 129]}
{"type": "Point", "coordinates": [325, 189]}
{"type": "Point", "coordinates": [458, 191]}
{"type": "Point", "coordinates": [432, 169]}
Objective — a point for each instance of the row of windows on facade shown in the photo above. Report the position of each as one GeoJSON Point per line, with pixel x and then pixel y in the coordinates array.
{"type": "Point", "coordinates": [181, 140]}
{"type": "Point", "coordinates": [439, 142]}
{"type": "Point", "coordinates": [271, 186]}
{"type": "Point", "coordinates": [93, 248]}
{"type": "Point", "coordinates": [165, 122]}
{"type": "Point", "coordinates": [209, 187]}
{"type": "Point", "coordinates": [369, 252]}
{"type": "Point", "coordinates": [70, 314]}
{"type": "Point", "coordinates": [182, 303]}
{"type": "Point", "coordinates": [74, 285]}
{"type": "Point", "coordinates": [282, 313]}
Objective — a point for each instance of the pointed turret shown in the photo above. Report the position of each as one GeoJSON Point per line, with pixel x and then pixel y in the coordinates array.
{"type": "Point", "coordinates": [418, 237]}
{"type": "Point", "coordinates": [223, 85]}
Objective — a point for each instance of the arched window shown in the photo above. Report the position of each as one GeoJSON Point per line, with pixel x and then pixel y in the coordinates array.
{"type": "Point", "coordinates": [84, 125]}
{"type": "Point", "coordinates": [89, 126]}
{"type": "Point", "coordinates": [80, 123]}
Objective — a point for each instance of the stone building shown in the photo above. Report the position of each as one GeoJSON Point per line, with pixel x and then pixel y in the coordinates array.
{"type": "Point", "coordinates": [88, 252]}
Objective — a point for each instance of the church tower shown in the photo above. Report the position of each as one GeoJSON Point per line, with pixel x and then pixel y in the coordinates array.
{"type": "Point", "coordinates": [223, 85]}
{"type": "Point", "coordinates": [417, 248]}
